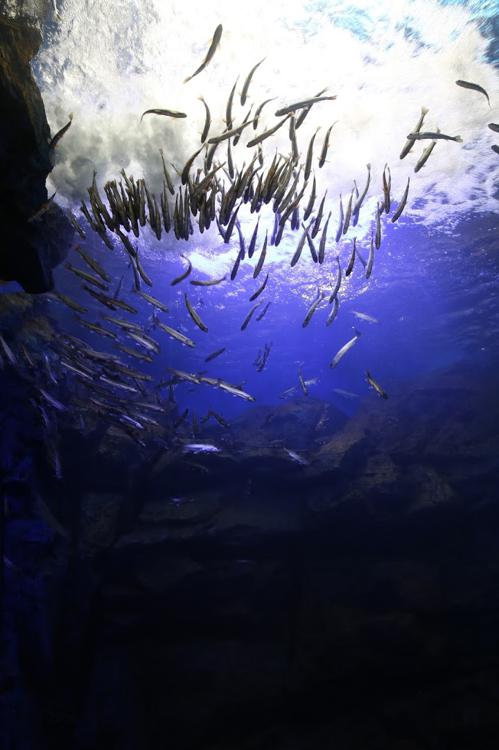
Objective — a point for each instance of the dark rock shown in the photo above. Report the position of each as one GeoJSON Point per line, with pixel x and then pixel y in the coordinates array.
{"type": "Point", "coordinates": [30, 250]}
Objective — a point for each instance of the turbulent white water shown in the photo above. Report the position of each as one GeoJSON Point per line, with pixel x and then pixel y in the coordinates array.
{"type": "Point", "coordinates": [106, 62]}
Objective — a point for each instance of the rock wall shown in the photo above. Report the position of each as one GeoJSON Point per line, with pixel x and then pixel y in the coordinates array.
{"type": "Point", "coordinates": [29, 250]}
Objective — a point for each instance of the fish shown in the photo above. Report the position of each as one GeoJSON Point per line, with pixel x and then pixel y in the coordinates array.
{"type": "Point", "coordinates": [297, 458]}
{"type": "Point", "coordinates": [303, 103]}
{"type": "Point", "coordinates": [474, 87]}
{"type": "Point", "coordinates": [249, 316]}
{"type": "Point", "coordinates": [299, 247]}
{"type": "Point", "coordinates": [301, 117]}
{"type": "Point", "coordinates": [374, 384]}
{"type": "Point", "coordinates": [183, 275]}
{"type": "Point", "coordinates": [200, 448]}
{"type": "Point", "coordinates": [303, 385]}
{"type": "Point", "coordinates": [351, 262]}
{"type": "Point", "coordinates": [166, 174]}
{"type": "Point", "coordinates": [229, 133]}
{"type": "Point", "coordinates": [387, 184]}
{"type": "Point", "coordinates": [153, 301]}
{"type": "Point", "coordinates": [76, 225]}
{"type": "Point", "coordinates": [221, 421]}
{"type": "Point", "coordinates": [251, 247]}
{"type": "Point", "coordinates": [266, 133]}
{"type": "Point", "coordinates": [110, 302]}
{"type": "Point", "coordinates": [215, 354]}
{"type": "Point", "coordinates": [348, 214]}
{"type": "Point", "coordinates": [436, 136]}
{"type": "Point", "coordinates": [188, 377]}
{"type": "Point", "coordinates": [364, 316]}
{"type": "Point", "coordinates": [144, 340]}
{"type": "Point", "coordinates": [164, 112]}
{"type": "Point", "coordinates": [360, 200]}
{"type": "Point", "coordinates": [184, 177]}
{"type": "Point", "coordinates": [11, 357]}
{"type": "Point", "coordinates": [125, 324]}
{"type": "Point", "coordinates": [338, 281]}
{"type": "Point", "coordinates": [340, 225]}
{"type": "Point", "coordinates": [51, 400]}
{"type": "Point", "coordinates": [310, 205]}
{"type": "Point", "coordinates": [410, 142]}
{"type": "Point", "coordinates": [43, 208]}
{"type": "Point", "coordinates": [310, 151]}
{"type": "Point", "coordinates": [346, 394]}
{"type": "Point", "coordinates": [118, 384]}
{"type": "Point", "coordinates": [181, 419]}
{"type": "Point", "coordinates": [228, 108]}
{"type": "Point", "coordinates": [235, 267]}
{"type": "Point", "coordinates": [57, 137]}
{"type": "Point", "coordinates": [244, 92]}
{"type": "Point", "coordinates": [344, 349]}
{"type": "Point", "coordinates": [322, 243]}
{"type": "Point", "coordinates": [259, 290]}
{"type": "Point", "coordinates": [402, 203]}
{"type": "Point", "coordinates": [259, 317]}
{"type": "Point", "coordinates": [211, 51]}
{"type": "Point", "coordinates": [313, 307]}
{"type": "Point", "coordinates": [195, 317]}
{"type": "Point", "coordinates": [495, 148]}
{"type": "Point", "coordinates": [230, 163]}
{"type": "Point", "coordinates": [325, 145]}
{"type": "Point", "coordinates": [134, 353]}
{"type": "Point", "coordinates": [377, 239]}
{"type": "Point", "coordinates": [93, 264]}
{"type": "Point", "coordinates": [234, 390]}
{"type": "Point", "coordinates": [292, 138]}
{"type": "Point", "coordinates": [97, 328]}
{"type": "Point", "coordinates": [424, 156]}
{"type": "Point", "coordinates": [258, 111]}
{"type": "Point", "coordinates": [311, 247]}
{"type": "Point", "coordinates": [370, 259]}
{"type": "Point", "coordinates": [207, 121]}
{"type": "Point", "coordinates": [176, 335]}
{"type": "Point", "coordinates": [333, 312]}
{"type": "Point", "coordinates": [70, 303]}
{"type": "Point", "coordinates": [87, 277]}
{"type": "Point", "coordinates": [208, 282]}
{"type": "Point", "coordinates": [493, 126]}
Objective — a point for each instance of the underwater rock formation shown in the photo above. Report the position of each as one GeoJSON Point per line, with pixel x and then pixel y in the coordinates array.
{"type": "Point", "coordinates": [30, 250]}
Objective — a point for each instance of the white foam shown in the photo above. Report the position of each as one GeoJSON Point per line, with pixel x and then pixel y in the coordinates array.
{"type": "Point", "coordinates": [109, 61]}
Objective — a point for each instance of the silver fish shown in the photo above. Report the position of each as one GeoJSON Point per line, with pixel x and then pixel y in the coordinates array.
{"type": "Point", "coordinates": [259, 290]}
{"type": "Point", "coordinates": [313, 307]}
{"type": "Point", "coordinates": [344, 349]}
{"type": "Point", "coordinates": [211, 51]}
{"type": "Point", "coordinates": [183, 275]}
{"type": "Point", "coordinates": [195, 317]}
{"type": "Point", "coordinates": [338, 281]}
{"type": "Point", "coordinates": [249, 316]}
{"type": "Point", "coordinates": [410, 142]}
{"type": "Point", "coordinates": [207, 122]}
{"type": "Point", "coordinates": [375, 385]}
{"type": "Point", "coordinates": [474, 87]}
{"type": "Point", "coordinates": [176, 335]}
{"type": "Point", "coordinates": [334, 311]}
{"type": "Point", "coordinates": [436, 136]}
{"type": "Point", "coordinates": [303, 103]}
{"type": "Point", "coordinates": [244, 92]}
{"type": "Point", "coordinates": [164, 112]}
{"type": "Point", "coordinates": [402, 203]}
